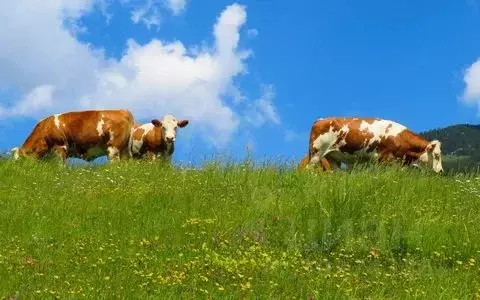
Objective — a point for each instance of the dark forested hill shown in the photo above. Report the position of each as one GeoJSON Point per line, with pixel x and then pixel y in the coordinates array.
{"type": "Point", "coordinates": [460, 144]}
{"type": "Point", "coordinates": [462, 139]}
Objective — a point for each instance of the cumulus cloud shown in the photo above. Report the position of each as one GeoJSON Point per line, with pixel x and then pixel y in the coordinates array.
{"type": "Point", "coordinates": [471, 78]}
{"type": "Point", "coordinates": [176, 6]}
{"type": "Point", "coordinates": [262, 110]}
{"type": "Point", "coordinates": [148, 14]}
{"type": "Point", "coordinates": [55, 72]}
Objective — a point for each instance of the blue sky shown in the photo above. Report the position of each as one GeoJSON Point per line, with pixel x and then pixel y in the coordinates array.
{"type": "Point", "coordinates": [268, 70]}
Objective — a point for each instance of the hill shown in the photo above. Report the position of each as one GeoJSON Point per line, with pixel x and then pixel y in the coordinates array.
{"type": "Point", "coordinates": [460, 145]}
{"type": "Point", "coordinates": [460, 140]}
{"type": "Point", "coordinates": [142, 230]}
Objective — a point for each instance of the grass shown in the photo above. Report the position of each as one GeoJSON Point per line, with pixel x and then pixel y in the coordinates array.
{"type": "Point", "coordinates": [143, 230]}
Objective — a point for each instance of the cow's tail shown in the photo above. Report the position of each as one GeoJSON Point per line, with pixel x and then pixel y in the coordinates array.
{"type": "Point", "coordinates": [130, 134]}
{"type": "Point", "coordinates": [130, 143]}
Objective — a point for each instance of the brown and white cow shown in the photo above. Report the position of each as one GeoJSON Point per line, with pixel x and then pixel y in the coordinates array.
{"type": "Point", "coordinates": [341, 139]}
{"type": "Point", "coordinates": [157, 138]}
{"type": "Point", "coordinates": [81, 134]}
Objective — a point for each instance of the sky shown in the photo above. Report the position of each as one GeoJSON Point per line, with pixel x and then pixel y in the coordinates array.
{"type": "Point", "coordinates": [250, 76]}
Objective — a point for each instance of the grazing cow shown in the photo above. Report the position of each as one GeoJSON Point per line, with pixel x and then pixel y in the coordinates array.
{"type": "Point", "coordinates": [341, 139]}
{"type": "Point", "coordinates": [82, 134]}
{"type": "Point", "coordinates": [157, 138]}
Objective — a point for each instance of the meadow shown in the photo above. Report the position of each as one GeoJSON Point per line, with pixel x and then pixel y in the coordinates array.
{"type": "Point", "coordinates": [150, 231]}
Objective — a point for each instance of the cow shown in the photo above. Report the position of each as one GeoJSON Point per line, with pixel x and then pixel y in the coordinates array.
{"type": "Point", "coordinates": [341, 139]}
{"type": "Point", "coordinates": [81, 134]}
{"type": "Point", "coordinates": [156, 139]}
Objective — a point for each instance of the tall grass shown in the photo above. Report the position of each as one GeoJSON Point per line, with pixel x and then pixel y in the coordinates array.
{"type": "Point", "coordinates": [145, 230]}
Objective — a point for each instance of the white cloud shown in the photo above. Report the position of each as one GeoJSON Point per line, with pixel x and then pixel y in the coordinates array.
{"type": "Point", "coordinates": [471, 78]}
{"type": "Point", "coordinates": [55, 72]}
{"type": "Point", "coordinates": [148, 14]}
{"type": "Point", "coordinates": [40, 97]}
{"type": "Point", "coordinates": [252, 33]}
{"type": "Point", "coordinates": [262, 109]}
{"type": "Point", "coordinates": [176, 6]}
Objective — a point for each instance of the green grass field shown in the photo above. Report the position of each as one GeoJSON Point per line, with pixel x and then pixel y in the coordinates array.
{"type": "Point", "coordinates": [142, 230]}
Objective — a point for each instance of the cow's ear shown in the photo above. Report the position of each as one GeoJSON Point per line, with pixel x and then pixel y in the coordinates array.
{"type": "Point", "coordinates": [156, 123]}
{"type": "Point", "coordinates": [182, 123]}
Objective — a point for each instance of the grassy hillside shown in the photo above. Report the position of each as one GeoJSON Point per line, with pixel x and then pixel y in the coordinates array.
{"type": "Point", "coordinates": [142, 230]}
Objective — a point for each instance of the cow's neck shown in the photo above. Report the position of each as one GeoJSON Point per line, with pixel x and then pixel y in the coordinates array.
{"type": "Point", "coordinates": [416, 146]}
{"type": "Point", "coordinates": [415, 142]}
{"type": "Point", "coordinates": [167, 148]}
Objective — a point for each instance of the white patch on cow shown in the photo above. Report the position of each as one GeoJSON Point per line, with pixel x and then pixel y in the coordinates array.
{"type": "Point", "coordinates": [113, 153]}
{"type": "Point", "coordinates": [423, 158]}
{"type": "Point", "coordinates": [56, 120]}
{"type": "Point", "coordinates": [381, 129]}
{"type": "Point", "coordinates": [147, 127]}
{"type": "Point", "coordinates": [100, 126]}
{"type": "Point", "coordinates": [323, 144]}
{"type": "Point", "coordinates": [138, 144]}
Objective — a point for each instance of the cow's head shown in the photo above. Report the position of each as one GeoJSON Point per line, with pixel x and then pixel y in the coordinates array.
{"type": "Point", "coordinates": [15, 153]}
{"type": "Point", "coordinates": [169, 125]}
{"type": "Point", "coordinates": [433, 156]}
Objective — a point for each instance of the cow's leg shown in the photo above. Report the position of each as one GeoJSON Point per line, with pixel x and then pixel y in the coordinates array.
{"type": "Point", "coordinates": [335, 162]}
{"type": "Point", "coordinates": [61, 151]}
{"type": "Point", "coordinates": [117, 147]}
{"type": "Point", "coordinates": [113, 153]}
{"type": "Point", "coordinates": [385, 157]}
{"type": "Point", "coordinates": [326, 166]}
{"type": "Point", "coordinates": [126, 153]}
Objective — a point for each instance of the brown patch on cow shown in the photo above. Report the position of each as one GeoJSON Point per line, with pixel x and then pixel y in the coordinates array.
{"type": "Point", "coordinates": [153, 140]}
{"type": "Point", "coordinates": [138, 133]}
{"type": "Point", "coordinates": [78, 133]}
